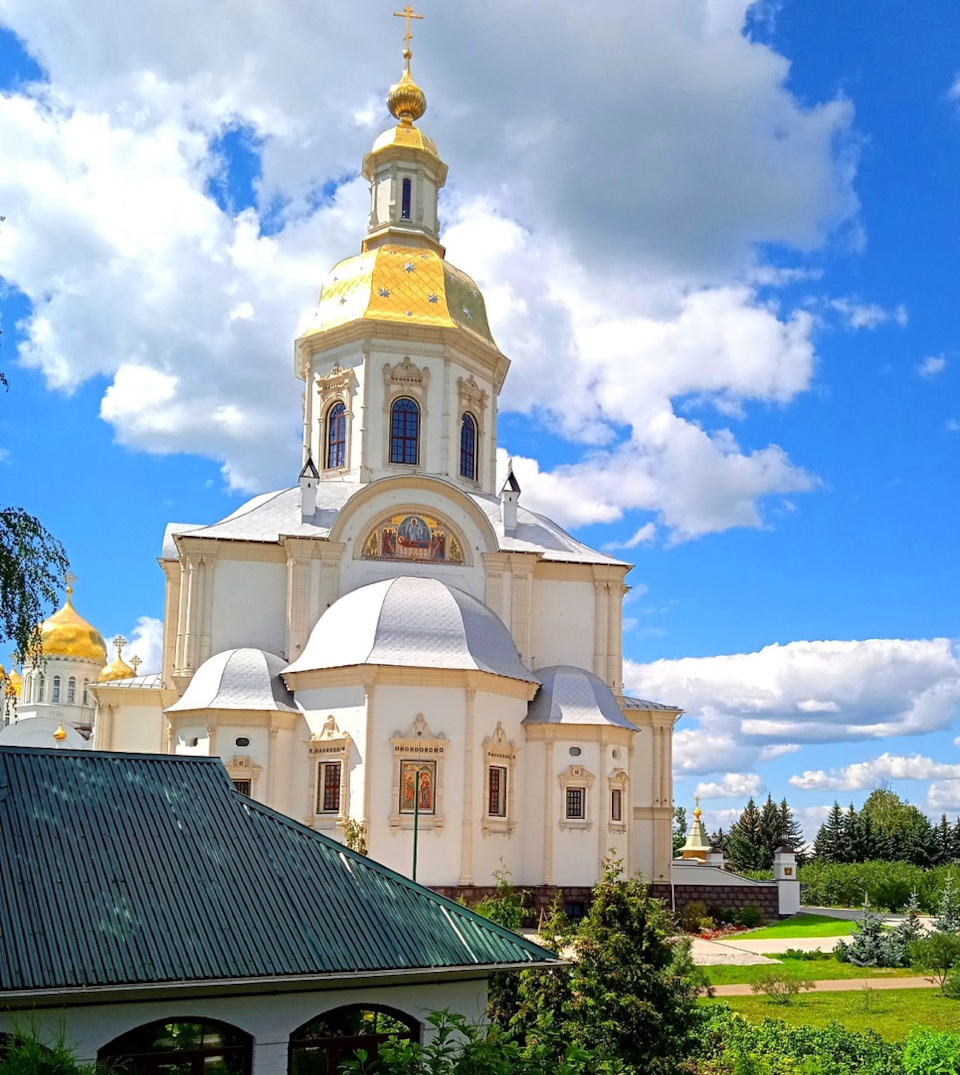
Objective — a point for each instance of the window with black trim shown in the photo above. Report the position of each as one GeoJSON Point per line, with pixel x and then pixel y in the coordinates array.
{"type": "Point", "coordinates": [406, 190]}
{"type": "Point", "coordinates": [245, 787]}
{"type": "Point", "coordinates": [497, 791]}
{"type": "Point", "coordinates": [183, 1046]}
{"type": "Point", "coordinates": [616, 804]}
{"type": "Point", "coordinates": [329, 776]}
{"type": "Point", "coordinates": [576, 804]}
{"type": "Point", "coordinates": [404, 431]}
{"type": "Point", "coordinates": [322, 1046]}
{"type": "Point", "coordinates": [468, 447]}
{"type": "Point", "coordinates": [336, 436]}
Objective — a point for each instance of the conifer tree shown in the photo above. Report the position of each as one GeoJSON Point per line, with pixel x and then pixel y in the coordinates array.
{"type": "Point", "coordinates": [791, 831]}
{"type": "Point", "coordinates": [955, 842]}
{"type": "Point", "coordinates": [679, 828]}
{"type": "Point", "coordinates": [830, 843]}
{"type": "Point", "coordinates": [745, 844]}
{"type": "Point", "coordinates": [943, 837]}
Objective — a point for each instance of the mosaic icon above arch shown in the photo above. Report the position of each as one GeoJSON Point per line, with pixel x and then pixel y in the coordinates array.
{"type": "Point", "coordinates": [413, 536]}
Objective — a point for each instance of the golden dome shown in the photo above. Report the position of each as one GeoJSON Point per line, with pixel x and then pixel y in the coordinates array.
{"type": "Point", "coordinates": [118, 669]}
{"type": "Point", "coordinates": [60, 734]}
{"type": "Point", "coordinates": [67, 634]}
{"type": "Point", "coordinates": [16, 681]}
{"type": "Point", "coordinates": [408, 136]}
{"type": "Point", "coordinates": [406, 100]}
{"type": "Point", "coordinates": [410, 285]}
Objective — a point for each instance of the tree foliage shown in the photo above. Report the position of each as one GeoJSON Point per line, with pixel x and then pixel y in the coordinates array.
{"type": "Point", "coordinates": [755, 836]}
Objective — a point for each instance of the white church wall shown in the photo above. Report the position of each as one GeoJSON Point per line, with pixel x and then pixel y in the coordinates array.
{"type": "Point", "coordinates": [249, 605]}
{"type": "Point", "coordinates": [270, 1017]}
{"type": "Point", "coordinates": [641, 768]}
{"type": "Point", "coordinates": [392, 712]}
{"type": "Point", "coordinates": [536, 800]}
{"type": "Point", "coordinates": [347, 706]}
{"type": "Point", "coordinates": [563, 623]}
{"type": "Point", "coordinates": [138, 729]}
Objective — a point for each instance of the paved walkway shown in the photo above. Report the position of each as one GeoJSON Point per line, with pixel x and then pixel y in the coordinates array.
{"type": "Point", "coordinates": [838, 985]}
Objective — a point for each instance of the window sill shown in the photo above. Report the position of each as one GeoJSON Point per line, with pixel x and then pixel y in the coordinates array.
{"type": "Point", "coordinates": [404, 822]}
{"type": "Point", "coordinates": [497, 825]}
{"type": "Point", "coordinates": [575, 823]}
{"type": "Point", "coordinates": [617, 826]}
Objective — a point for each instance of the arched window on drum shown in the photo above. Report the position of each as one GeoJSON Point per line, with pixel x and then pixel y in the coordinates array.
{"type": "Point", "coordinates": [336, 436]}
{"type": "Point", "coordinates": [405, 431]}
{"type": "Point", "coordinates": [468, 447]}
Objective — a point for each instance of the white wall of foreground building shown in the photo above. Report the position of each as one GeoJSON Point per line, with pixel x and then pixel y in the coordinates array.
{"type": "Point", "coordinates": [270, 1017]}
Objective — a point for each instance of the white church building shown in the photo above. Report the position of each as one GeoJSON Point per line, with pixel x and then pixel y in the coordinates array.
{"type": "Point", "coordinates": [395, 642]}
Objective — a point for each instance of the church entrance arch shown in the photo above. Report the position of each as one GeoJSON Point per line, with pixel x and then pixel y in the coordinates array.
{"type": "Point", "coordinates": [324, 1044]}
{"type": "Point", "coordinates": [180, 1047]}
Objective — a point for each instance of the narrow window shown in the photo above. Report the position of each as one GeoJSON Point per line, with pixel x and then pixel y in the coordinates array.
{"type": "Point", "coordinates": [337, 436]}
{"type": "Point", "coordinates": [576, 803]}
{"type": "Point", "coordinates": [40, 690]}
{"type": "Point", "coordinates": [86, 694]}
{"type": "Point", "coordinates": [328, 799]}
{"type": "Point", "coordinates": [468, 447]}
{"type": "Point", "coordinates": [28, 689]}
{"type": "Point", "coordinates": [497, 798]}
{"type": "Point", "coordinates": [405, 200]}
{"type": "Point", "coordinates": [405, 432]}
{"type": "Point", "coordinates": [616, 805]}
{"type": "Point", "coordinates": [245, 787]}
{"type": "Point", "coordinates": [71, 690]}
{"type": "Point", "coordinates": [56, 688]}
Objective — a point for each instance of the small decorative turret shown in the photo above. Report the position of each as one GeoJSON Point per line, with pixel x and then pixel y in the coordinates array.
{"type": "Point", "coordinates": [309, 477]}
{"type": "Point", "coordinates": [698, 843]}
{"type": "Point", "coordinates": [509, 499]}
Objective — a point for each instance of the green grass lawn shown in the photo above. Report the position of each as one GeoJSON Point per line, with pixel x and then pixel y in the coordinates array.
{"type": "Point", "coordinates": [892, 1013]}
{"type": "Point", "coordinates": [817, 970]}
{"type": "Point", "coordinates": [802, 925]}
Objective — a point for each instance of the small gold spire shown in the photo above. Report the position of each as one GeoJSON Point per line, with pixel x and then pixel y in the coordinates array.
{"type": "Point", "coordinates": [406, 101]}
{"type": "Point", "coordinates": [60, 734]}
{"type": "Point", "coordinates": [697, 811]}
{"type": "Point", "coordinates": [70, 578]}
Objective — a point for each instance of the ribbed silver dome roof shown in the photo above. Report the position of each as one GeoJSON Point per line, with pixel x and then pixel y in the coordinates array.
{"type": "Point", "coordinates": [238, 679]}
{"type": "Point", "coordinates": [570, 695]}
{"type": "Point", "coordinates": [412, 622]}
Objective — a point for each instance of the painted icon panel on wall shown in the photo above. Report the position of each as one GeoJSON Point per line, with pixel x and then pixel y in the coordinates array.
{"type": "Point", "coordinates": [412, 537]}
{"type": "Point", "coordinates": [408, 785]}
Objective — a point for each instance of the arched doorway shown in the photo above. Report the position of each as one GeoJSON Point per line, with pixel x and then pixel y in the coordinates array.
{"type": "Point", "coordinates": [180, 1047]}
{"type": "Point", "coordinates": [320, 1046]}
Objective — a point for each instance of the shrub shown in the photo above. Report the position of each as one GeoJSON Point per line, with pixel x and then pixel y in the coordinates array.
{"type": "Point", "coordinates": [887, 885]}
{"type": "Point", "coordinates": [935, 954]}
{"type": "Point", "coordinates": [871, 946]}
{"type": "Point", "coordinates": [930, 1052]}
{"type": "Point", "coordinates": [780, 986]}
{"type": "Point", "coordinates": [751, 916]}
{"type": "Point", "coordinates": [807, 957]}
{"type": "Point", "coordinates": [691, 915]}
{"type": "Point", "coordinates": [948, 910]}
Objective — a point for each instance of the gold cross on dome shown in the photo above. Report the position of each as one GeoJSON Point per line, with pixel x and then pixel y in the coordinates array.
{"type": "Point", "coordinates": [407, 14]}
{"type": "Point", "coordinates": [135, 663]}
{"type": "Point", "coordinates": [70, 578]}
{"type": "Point", "coordinates": [119, 642]}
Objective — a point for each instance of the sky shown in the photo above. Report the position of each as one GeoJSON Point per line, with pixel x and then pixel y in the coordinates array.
{"type": "Point", "coordinates": [717, 239]}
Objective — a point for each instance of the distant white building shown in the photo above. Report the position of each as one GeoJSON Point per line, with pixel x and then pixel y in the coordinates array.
{"type": "Point", "coordinates": [395, 640]}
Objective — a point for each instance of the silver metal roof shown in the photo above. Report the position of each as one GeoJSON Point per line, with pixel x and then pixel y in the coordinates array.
{"type": "Point", "coordinates": [415, 622]}
{"type": "Point", "coordinates": [642, 703]}
{"type": "Point", "coordinates": [571, 695]}
{"type": "Point", "coordinates": [238, 679]}
{"type": "Point", "coordinates": [270, 515]}
{"type": "Point", "coordinates": [153, 681]}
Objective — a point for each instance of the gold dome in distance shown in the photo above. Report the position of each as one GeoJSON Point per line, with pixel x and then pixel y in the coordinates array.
{"type": "Point", "coordinates": [67, 634]}
{"type": "Point", "coordinates": [118, 669]}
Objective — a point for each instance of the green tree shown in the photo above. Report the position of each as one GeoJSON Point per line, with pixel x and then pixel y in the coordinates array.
{"type": "Point", "coordinates": [631, 992]}
{"type": "Point", "coordinates": [791, 831]}
{"type": "Point", "coordinates": [746, 846]}
{"type": "Point", "coordinates": [679, 829]}
{"type": "Point", "coordinates": [906, 832]}
{"type": "Point", "coordinates": [830, 843]}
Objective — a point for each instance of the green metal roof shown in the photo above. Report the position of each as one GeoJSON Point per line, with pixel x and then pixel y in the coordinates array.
{"type": "Point", "coordinates": [122, 869]}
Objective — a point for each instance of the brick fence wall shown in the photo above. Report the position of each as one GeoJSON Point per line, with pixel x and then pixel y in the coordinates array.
{"type": "Point", "coordinates": [575, 901]}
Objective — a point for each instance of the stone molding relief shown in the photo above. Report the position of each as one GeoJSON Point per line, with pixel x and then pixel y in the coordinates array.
{"type": "Point", "coordinates": [418, 744]}
{"type": "Point", "coordinates": [500, 751]}
{"type": "Point", "coordinates": [330, 744]}
{"type": "Point", "coordinates": [576, 776]}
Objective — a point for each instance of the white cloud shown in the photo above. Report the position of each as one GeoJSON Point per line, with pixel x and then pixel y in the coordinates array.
{"type": "Point", "coordinates": [873, 773]}
{"type": "Point", "coordinates": [943, 796]}
{"type": "Point", "coordinates": [856, 314]}
{"type": "Point", "coordinates": [646, 533]}
{"type": "Point", "coordinates": [931, 366]}
{"type": "Point", "coordinates": [953, 94]}
{"type": "Point", "coordinates": [777, 750]}
{"type": "Point", "coordinates": [608, 291]}
{"type": "Point", "coordinates": [745, 702]}
{"type": "Point", "coordinates": [953, 426]}
{"type": "Point", "coordinates": [145, 641]}
{"type": "Point", "coordinates": [730, 786]}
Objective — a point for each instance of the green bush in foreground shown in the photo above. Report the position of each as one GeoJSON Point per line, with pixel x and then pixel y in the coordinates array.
{"type": "Point", "coordinates": [930, 1053]}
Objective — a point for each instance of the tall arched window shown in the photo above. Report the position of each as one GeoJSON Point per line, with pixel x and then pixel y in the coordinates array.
{"type": "Point", "coordinates": [28, 688]}
{"type": "Point", "coordinates": [404, 431]}
{"type": "Point", "coordinates": [322, 1045]}
{"type": "Point", "coordinates": [468, 447]}
{"type": "Point", "coordinates": [86, 695]}
{"type": "Point", "coordinates": [406, 189]}
{"type": "Point", "coordinates": [56, 688]}
{"type": "Point", "coordinates": [40, 685]}
{"type": "Point", "coordinates": [71, 690]}
{"type": "Point", "coordinates": [182, 1046]}
{"type": "Point", "coordinates": [337, 436]}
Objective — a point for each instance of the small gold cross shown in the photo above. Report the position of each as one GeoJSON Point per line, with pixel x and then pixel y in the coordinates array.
{"type": "Point", "coordinates": [136, 661]}
{"type": "Point", "coordinates": [407, 14]}
{"type": "Point", "coordinates": [119, 642]}
{"type": "Point", "coordinates": [70, 578]}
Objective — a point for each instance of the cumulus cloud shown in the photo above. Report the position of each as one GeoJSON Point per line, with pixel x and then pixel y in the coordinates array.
{"type": "Point", "coordinates": [646, 533]}
{"type": "Point", "coordinates": [635, 312]}
{"type": "Point", "coordinates": [802, 692]}
{"type": "Point", "coordinates": [931, 366]}
{"type": "Point", "coordinates": [873, 773]}
{"type": "Point", "coordinates": [855, 314]}
{"type": "Point", "coordinates": [730, 786]}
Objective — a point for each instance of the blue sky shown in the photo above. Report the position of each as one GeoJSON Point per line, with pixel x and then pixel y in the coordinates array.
{"type": "Point", "coordinates": [717, 239]}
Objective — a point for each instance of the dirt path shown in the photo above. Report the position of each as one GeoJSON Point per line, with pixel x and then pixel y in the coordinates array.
{"type": "Point", "coordinates": [837, 985]}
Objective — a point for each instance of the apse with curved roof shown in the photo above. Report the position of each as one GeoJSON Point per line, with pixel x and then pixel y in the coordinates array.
{"type": "Point", "coordinates": [238, 679]}
{"type": "Point", "coordinates": [414, 623]}
{"type": "Point", "coordinates": [570, 695]}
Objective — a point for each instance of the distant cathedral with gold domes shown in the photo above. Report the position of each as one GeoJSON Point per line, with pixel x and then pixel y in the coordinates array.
{"type": "Point", "coordinates": [51, 702]}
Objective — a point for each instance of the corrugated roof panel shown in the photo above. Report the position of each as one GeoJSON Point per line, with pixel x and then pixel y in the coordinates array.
{"type": "Point", "coordinates": [119, 869]}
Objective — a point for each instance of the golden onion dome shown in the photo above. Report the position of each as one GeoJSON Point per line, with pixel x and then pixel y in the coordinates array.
{"type": "Point", "coordinates": [16, 681]}
{"type": "Point", "coordinates": [412, 286]}
{"type": "Point", "coordinates": [118, 669]}
{"type": "Point", "coordinates": [67, 634]}
{"type": "Point", "coordinates": [408, 136]}
{"type": "Point", "coordinates": [406, 100]}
